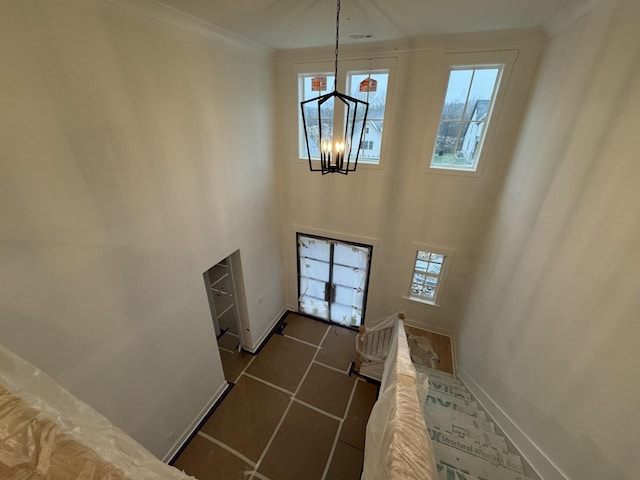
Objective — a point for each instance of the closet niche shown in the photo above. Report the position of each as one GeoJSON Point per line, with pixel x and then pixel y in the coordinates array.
{"type": "Point", "coordinates": [223, 301]}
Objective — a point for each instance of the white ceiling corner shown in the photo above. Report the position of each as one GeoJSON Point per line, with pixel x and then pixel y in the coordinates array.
{"type": "Point", "coordinates": [287, 24]}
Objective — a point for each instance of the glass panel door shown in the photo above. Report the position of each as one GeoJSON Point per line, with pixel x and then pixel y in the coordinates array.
{"type": "Point", "coordinates": [314, 265]}
{"type": "Point", "coordinates": [332, 279]}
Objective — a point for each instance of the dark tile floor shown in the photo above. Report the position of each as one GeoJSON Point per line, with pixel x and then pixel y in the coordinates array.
{"type": "Point", "coordinates": [294, 412]}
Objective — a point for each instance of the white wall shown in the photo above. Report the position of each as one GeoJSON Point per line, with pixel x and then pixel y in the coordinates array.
{"type": "Point", "coordinates": [401, 202]}
{"type": "Point", "coordinates": [551, 330]}
{"type": "Point", "coordinates": [134, 154]}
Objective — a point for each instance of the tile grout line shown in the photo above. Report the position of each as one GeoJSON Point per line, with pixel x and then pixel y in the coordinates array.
{"type": "Point", "coordinates": [308, 405]}
{"type": "Point", "coordinates": [302, 341]}
{"type": "Point", "coordinates": [345, 372]}
{"type": "Point", "coordinates": [273, 436]}
{"type": "Point", "coordinates": [227, 448]}
{"type": "Point", "coordinates": [335, 440]}
{"type": "Point", "coordinates": [258, 379]}
{"type": "Point", "coordinates": [260, 476]}
{"type": "Point", "coordinates": [245, 369]}
{"type": "Point", "coordinates": [286, 411]}
{"type": "Point", "coordinates": [318, 348]}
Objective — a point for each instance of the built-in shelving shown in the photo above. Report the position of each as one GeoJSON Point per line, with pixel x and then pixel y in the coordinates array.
{"type": "Point", "coordinates": [217, 273]}
{"type": "Point", "coordinates": [228, 309]}
{"type": "Point", "coordinates": [221, 290]}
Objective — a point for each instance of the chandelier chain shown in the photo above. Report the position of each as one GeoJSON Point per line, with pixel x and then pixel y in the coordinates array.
{"type": "Point", "coordinates": [335, 78]}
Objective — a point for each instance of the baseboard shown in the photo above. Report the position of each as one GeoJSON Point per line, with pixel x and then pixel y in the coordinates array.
{"type": "Point", "coordinates": [256, 345]}
{"type": "Point", "coordinates": [191, 429]}
{"type": "Point", "coordinates": [543, 466]}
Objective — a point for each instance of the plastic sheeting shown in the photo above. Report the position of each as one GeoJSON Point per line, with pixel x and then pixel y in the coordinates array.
{"type": "Point", "coordinates": [331, 271]}
{"type": "Point", "coordinates": [47, 433]}
{"type": "Point", "coordinates": [397, 443]}
{"type": "Point", "coordinates": [422, 351]}
{"type": "Point", "coordinates": [373, 345]}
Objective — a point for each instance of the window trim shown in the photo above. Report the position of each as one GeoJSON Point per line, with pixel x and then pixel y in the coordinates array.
{"type": "Point", "coordinates": [449, 255]}
{"type": "Point", "coordinates": [358, 66]}
{"type": "Point", "coordinates": [450, 61]}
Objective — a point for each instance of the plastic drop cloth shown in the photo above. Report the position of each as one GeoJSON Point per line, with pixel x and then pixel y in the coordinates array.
{"type": "Point", "coordinates": [47, 433]}
{"type": "Point", "coordinates": [397, 443]}
{"type": "Point", "coordinates": [422, 351]}
{"type": "Point", "coordinates": [373, 344]}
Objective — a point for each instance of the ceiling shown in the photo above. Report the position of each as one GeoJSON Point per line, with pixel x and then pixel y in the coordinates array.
{"type": "Point", "coordinates": [284, 24]}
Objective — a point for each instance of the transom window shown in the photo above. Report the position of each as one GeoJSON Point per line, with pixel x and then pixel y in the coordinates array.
{"type": "Point", "coordinates": [468, 104]}
{"type": "Point", "coordinates": [377, 99]}
{"type": "Point", "coordinates": [370, 85]}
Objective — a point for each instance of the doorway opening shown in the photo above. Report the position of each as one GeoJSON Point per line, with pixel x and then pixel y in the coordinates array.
{"type": "Point", "coordinates": [333, 277]}
{"type": "Point", "coordinates": [225, 292]}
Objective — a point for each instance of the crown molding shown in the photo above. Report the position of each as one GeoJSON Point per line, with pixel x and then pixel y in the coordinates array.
{"type": "Point", "coordinates": [162, 13]}
{"type": "Point", "coordinates": [494, 40]}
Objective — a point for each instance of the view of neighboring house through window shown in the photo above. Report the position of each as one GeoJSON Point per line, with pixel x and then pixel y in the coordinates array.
{"type": "Point", "coordinates": [373, 90]}
{"type": "Point", "coordinates": [377, 99]}
{"type": "Point", "coordinates": [307, 89]}
{"type": "Point", "coordinates": [468, 103]}
{"type": "Point", "coordinates": [428, 272]}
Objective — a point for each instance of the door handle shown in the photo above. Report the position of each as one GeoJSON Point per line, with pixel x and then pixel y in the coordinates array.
{"type": "Point", "coordinates": [329, 292]}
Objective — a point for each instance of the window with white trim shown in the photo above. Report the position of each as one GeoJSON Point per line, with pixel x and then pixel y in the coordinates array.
{"type": "Point", "coordinates": [466, 112]}
{"type": "Point", "coordinates": [429, 274]}
{"type": "Point", "coordinates": [314, 84]}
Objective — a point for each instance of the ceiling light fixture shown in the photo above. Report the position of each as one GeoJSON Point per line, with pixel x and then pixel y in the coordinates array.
{"type": "Point", "coordinates": [323, 118]}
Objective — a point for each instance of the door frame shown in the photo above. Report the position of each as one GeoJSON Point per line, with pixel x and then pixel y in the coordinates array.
{"type": "Point", "coordinates": [346, 242]}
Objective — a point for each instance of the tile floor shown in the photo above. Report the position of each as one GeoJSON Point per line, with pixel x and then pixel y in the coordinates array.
{"type": "Point", "coordinates": [294, 412]}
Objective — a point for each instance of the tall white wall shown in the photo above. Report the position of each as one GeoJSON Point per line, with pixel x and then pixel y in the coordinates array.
{"type": "Point", "coordinates": [134, 154]}
{"type": "Point", "coordinates": [401, 203]}
{"type": "Point", "coordinates": [551, 331]}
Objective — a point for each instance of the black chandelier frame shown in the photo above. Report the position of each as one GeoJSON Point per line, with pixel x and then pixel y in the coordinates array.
{"type": "Point", "coordinates": [341, 161]}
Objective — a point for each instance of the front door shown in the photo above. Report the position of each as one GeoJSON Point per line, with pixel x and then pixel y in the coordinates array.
{"type": "Point", "coordinates": [333, 276]}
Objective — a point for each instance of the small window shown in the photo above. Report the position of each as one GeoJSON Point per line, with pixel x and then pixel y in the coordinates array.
{"type": "Point", "coordinates": [377, 99]}
{"type": "Point", "coordinates": [468, 104]}
{"type": "Point", "coordinates": [428, 272]}
{"type": "Point", "coordinates": [312, 85]}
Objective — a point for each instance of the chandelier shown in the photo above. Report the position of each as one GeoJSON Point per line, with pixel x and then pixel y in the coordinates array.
{"type": "Point", "coordinates": [334, 135]}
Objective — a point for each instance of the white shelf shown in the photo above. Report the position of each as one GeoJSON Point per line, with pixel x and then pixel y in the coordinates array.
{"type": "Point", "coordinates": [217, 273]}
{"type": "Point", "coordinates": [226, 310]}
{"type": "Point", "coordinates": [219, 278]}
{"type": "Point", "coordinates": [220, 292]}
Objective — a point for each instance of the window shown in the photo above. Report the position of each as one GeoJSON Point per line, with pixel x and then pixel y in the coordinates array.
{"type": "Point", "coordinates": [377, 99]}
{"type": "Point", "coordinates": [468, 104]}
{"type": "Point", "coordinates": [429, 274]}
{"type": "Point", "coordinates": [362, 80]}
{"type": "Point", "coordinates": [308, 88]}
